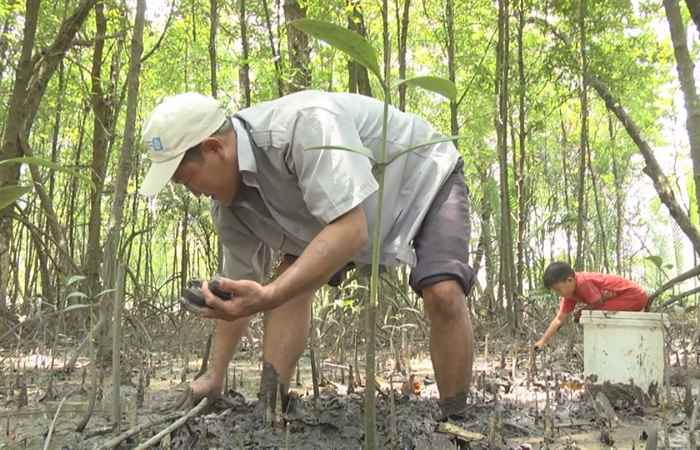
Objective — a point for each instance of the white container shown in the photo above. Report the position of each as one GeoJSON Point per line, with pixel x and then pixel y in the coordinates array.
{"type": "Point", "coordinates": [624, 347]}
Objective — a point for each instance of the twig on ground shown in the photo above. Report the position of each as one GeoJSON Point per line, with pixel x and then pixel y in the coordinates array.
{"type": "Point", "coordinates": [135, 430]}
{"type": "Point", "coordinates": [175, 425]}
{"type": "Point", "coordinates": [53, 422]}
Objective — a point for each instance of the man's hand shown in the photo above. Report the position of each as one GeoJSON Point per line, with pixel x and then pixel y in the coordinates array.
{"type": "Point", "coordinates": [247, 298]}
{"type": "Point", "coordinates": [539, 345]}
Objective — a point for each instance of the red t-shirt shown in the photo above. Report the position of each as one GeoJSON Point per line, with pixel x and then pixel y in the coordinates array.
{"type": "Point", "coordinates": [621, 294]}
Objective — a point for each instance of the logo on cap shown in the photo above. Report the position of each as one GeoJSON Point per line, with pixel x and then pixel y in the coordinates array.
{"type": "Point", "coordinates": [156, 145]}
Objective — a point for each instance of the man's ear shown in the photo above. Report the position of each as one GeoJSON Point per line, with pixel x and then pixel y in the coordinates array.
{"type": "Point", "coordinates": [212, 145]}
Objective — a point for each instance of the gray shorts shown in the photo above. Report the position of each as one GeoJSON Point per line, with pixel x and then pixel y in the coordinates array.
{"type": "Point", "coordinates": [442, 242]}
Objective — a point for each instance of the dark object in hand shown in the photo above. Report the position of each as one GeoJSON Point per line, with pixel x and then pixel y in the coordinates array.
{"type": "Point", "coordinates": [193, 298]}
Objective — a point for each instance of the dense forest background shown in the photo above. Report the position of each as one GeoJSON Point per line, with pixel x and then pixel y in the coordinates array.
{"type": "Point", "coordinates": [579, 124]}
{"type": "Point", "coordinates": [553, 172]}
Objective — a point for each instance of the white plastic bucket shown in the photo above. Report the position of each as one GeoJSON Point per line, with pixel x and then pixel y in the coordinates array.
{"type": "Point", "coordinates": [624, 347]}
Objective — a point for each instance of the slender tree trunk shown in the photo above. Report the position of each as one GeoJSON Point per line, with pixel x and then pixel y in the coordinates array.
{"type": "Point", "coordinates": [451, 72]}
{"type": "Point", "coordinates": [74, 189]}
{"type": "Point", "coordinates": [102, 107]}
{"type": "Point", "coordinates": [114, 233]}
{"type": "Point", "coordinates": [565, 178]}
{"type": "Point", "coordinates": [602, 236]}
{"type": "Point", "coordinates": [520, 167]}
{"type": "Point", "coordinates": [686, 68]}
{"type": "Point", "coordinates": [358, 77]}
{"type": "Point", "coordinates": [618, 179]}
{"type": "Point", "coordinates": [184, 252]}
{"type": "Point", "coordinates": [402, 38]}
{"type": "Point", "coordinates": [213, 28]}
{"type": "Point", "coordinates": [581, 246]}
{"type": "Point", "coordinates": [57, 126]}
{"type": "Point", "coordinates": [506, 234]}
{"type": "Point", "coordinates": [244, 68]}
{"type": "Point", "coordinates": [273, 49]}
{"type": "Point", "coordinates": [485, 243]}
{"type": "Point", "coordinates": [298, 43]}
{"type": "Point", "coordinates": [4, 44]}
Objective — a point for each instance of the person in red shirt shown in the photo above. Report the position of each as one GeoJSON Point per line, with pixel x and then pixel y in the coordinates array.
{"type": "Point", "coordinates": [588, 290]}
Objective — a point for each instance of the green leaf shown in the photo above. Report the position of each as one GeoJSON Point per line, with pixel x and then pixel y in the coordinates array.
{"type": "Point", "coordinates": [75, 279]}
{"type": "Point", "coordinates": [48, 164]}
{"type": "Point", "coordinates": [76, 294]}
{"type": "Point", "coordinates": [441, 86]}
{"type": "Point", "coordinates": [424, 144]}
{"type": "Point", "coordinates": [9, 194]}
{"type": "Point", "coordinates": [360, 151]}
{"type": "Point", "coordinates": [656, 260]}
{"type": "Point", "coordinates": [348, 42]}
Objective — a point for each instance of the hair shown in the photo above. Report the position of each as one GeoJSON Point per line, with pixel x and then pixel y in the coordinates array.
{"type": "Point", "coordinates": [557, 272]}
{"type": "Point", "coordinates": [195, 153]}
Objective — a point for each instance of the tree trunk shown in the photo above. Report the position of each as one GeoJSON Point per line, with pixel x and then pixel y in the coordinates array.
{"type": "Point", "coordinates": [485, 243]}
{"type": "Point", "coordinates": [581, 246]}
{"type": "Point", "coordinates": [184, 252]}
{"type": "Point", "coordinates": [114, 233]}
{"type": "Point", "coordinates": [618, 179]}
{"type": "Point", "coordinates": [103, 110]}
{"type": "Point", "coordinates": [213, 28]}
{"type": "Point", "coordinates": [402, 37]}
{"type": "Point", "coordinates": [358, 77]}
{"type": "Point", "coordinates": [694, 8]}
{"type": "Point", "coordinates": [602, 236]}
{"type": "Point", "coordinates": [4, 57]}
{"type": "Point", "coordinates": [298, 43]}
{"type": "Point", "coordinates": [274, 50]}
{"type": "Point", "coordinates": [565, 179]}
{"type": "Point", "coordinates": [520, 167]}
{"type": "Point", "coordinates": [686, 67]}
{"type": "Point", "coordinates": [451, 72]}
{"type": "Point", "coordinates": [506, 234]}
{"type": "Point", "coordinates": [244, 68]}
{"type": "Point", "coordinates": [14, 123]}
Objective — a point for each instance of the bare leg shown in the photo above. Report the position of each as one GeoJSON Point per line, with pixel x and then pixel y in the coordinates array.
{"type": "Point", "coordinates": [451, 338]}
{"type": "Point", "coordinates": [226, 338]}
{"type": "Point", "coordinates": [286, 328]}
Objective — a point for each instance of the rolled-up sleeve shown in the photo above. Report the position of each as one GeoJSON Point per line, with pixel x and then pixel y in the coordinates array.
{"type": "Point", "coordinates": [245, 256]}
{"type": "Point", "coordinates": [332, 181]}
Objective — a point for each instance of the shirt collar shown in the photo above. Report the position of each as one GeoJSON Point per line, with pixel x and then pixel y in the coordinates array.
{"type": "Point", "coordinates": [246, 159]}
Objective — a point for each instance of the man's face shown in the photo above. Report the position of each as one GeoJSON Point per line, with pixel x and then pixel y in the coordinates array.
{"type": "Point", "coordinates": [215, 175]}
{"type": "Point", "coordinates": [565, 288]}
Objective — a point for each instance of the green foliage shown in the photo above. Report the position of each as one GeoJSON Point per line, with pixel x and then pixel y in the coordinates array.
{"type": "Point", "coordinates": [441, 86]}
{"type": "Point", "coordinates": [10, 194]}
{"type": "Point", "coordinates": [344, 40]}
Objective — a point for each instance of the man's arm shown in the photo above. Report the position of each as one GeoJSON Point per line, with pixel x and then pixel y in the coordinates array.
{"type": "Point", "coordinates": [330, 250]}
{"type": "Point", "coordinates": [553, 327]}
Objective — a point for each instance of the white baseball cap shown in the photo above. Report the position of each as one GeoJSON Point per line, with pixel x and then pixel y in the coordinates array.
{"type": "Point", "coordinates": [177, 124]}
